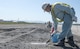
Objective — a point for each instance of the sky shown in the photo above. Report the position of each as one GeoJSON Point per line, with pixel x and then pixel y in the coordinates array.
{"type": "Point", "coordinates": [31, 10]}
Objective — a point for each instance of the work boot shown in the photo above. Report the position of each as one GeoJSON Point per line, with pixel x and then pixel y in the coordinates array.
{"type": "Point", "coordinates": [61, 43]}
{"type": "Point", "coordinates": [71, 42]}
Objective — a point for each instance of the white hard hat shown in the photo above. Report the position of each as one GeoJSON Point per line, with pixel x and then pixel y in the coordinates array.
{"type": "Point", "coordinates": [45, 5]}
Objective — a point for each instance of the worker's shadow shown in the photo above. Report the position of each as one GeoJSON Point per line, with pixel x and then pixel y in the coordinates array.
{"type": "Point", "coordinates": [67, 47]}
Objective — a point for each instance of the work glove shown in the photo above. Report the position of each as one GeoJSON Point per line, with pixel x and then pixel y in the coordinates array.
{"type": "Point", "coordinates": [74, 19]}
{"type": "Point", "coordinates": [55, 31]}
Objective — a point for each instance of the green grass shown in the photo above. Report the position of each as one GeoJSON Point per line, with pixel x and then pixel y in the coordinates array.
{"type": "Point", "coordinates": [14, 23]}
{"type": "Point", "coordinates": [17, 23]}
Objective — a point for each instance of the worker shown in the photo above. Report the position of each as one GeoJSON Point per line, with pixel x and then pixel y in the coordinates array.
{"type": "Point", "coordinates": [62, 12]}
{"type": "Point", "coordinates": [49, 24]}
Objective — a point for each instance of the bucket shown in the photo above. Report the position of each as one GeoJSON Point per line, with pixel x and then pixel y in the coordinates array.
{"type": "Point", "coordinates": [55, 37]}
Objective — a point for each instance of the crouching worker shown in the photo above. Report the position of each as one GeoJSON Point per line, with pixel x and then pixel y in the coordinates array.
{"type": "Point", "coordinates": [62, 12]}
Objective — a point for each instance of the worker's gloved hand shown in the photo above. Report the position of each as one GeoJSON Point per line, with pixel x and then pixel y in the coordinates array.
{"type": "Point", "coordinates": [55, 31]}
{"type": "Point", "coordinates": [74, 19]}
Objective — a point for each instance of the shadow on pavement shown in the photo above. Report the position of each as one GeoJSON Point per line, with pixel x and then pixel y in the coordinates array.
{"type": "Point", "coordinates": [67, 47]}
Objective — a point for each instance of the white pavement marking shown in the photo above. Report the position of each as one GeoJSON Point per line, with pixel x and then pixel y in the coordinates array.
{"type": "Point", "coordinates": [33, 43]}
{"type": "Point", "coordinates": [11, 38]}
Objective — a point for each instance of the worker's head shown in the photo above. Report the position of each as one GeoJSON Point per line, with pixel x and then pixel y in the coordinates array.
{"type": "Point", "coordinates": [46, 7]}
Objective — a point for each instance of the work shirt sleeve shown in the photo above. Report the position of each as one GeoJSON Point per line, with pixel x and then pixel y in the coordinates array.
{"type": "Point", "coordinates": [55, 23]}
{"type": "Point", "coordinates": [65, 9]}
